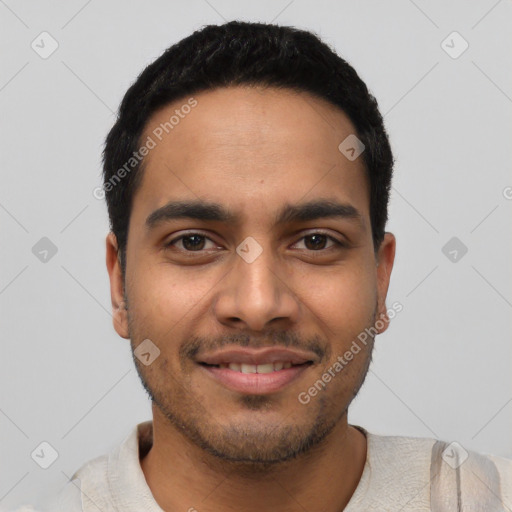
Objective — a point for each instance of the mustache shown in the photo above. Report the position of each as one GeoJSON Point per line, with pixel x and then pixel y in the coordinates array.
{"type": "Point", "coordinates": [196, 344]}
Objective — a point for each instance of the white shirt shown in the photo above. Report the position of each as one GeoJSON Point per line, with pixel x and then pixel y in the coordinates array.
{"type": "Point", "coordinates": [401, 474]}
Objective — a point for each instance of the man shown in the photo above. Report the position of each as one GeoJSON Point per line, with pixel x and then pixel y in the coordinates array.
{"type": "Point", "coordinates": [247, 181]}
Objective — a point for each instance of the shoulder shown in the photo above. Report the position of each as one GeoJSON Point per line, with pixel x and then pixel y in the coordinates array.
{"type": "Point", "coordinates": [470, 480]}
{"type": "Point", "coordinates": [24, 508]}
{"type": "Point", "coordinates": [504, 466]}
{"type": "Point", "coordinates": [387, 448]}
{"type": "Point", "coordinates": [456, 476]}
{"type": "Point", "coordinates": [69, 498]}
{"type": "Point", "coordinates": [399, 451]}
{"type": "Point", "coordinates": [88, 487]}
{"type": "Point", "coordinates": [504, 469]}
{"type": "Point", "coordinates": [89, 483]}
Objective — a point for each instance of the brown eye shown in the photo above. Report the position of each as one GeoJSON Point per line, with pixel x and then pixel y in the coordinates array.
{"type": "Point", "coordinates": [317, 242]}
{"type": "Point", "coordinates": [193, 242]}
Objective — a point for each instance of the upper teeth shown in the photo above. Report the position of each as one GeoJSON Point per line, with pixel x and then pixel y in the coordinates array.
{"type": "Point", "coordinates": [256, 368]}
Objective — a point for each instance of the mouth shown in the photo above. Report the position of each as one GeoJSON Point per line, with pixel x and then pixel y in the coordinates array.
{"type": "Point", "coordinates": [264, 368]}
{"type": "Point", "coordinates": [256, 371]}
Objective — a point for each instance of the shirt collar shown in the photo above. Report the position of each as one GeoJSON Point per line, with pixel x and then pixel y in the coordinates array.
{"type": "Point", "coordinates": [130, 491]}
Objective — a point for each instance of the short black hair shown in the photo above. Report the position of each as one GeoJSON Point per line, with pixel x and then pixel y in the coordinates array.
{"type": "Point", "coordinates": [243, 53]}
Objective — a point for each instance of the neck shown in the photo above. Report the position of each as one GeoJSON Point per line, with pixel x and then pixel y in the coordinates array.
{"type": "Point", "coordinates": [182, 477]}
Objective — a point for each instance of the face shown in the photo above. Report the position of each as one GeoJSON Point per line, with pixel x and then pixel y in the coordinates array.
{"type": "Point", "coordinates": [250, 244]}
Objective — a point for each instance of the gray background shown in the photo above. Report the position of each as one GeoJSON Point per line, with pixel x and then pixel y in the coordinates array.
{"type": "Point", "coordinates": [443, 368]}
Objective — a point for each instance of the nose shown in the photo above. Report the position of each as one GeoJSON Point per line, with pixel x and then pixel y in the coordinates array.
{"type": "Point", "coordinates": [257, 294]}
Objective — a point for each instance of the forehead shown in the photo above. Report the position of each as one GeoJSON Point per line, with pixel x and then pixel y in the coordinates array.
{"type": "Point", "coordinates": [252, 149]}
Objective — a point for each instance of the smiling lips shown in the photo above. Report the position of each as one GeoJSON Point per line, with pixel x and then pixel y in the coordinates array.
{"type": "Point", "coordinates": [243, 355]}
{"type": "Point", "coordinates": [256, 371]}
{"type": "Point", "coordinates": [256, 368]}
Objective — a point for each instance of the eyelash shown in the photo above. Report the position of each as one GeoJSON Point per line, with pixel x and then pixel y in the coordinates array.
{"type": "Point", "coordinates": [337, 243]}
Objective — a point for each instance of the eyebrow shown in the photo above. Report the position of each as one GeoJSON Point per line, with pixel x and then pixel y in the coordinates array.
{"type": "Point", "coordinates": [214, 212]}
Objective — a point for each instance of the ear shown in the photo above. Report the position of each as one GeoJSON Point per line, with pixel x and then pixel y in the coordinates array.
{"type": "Point", "coordinates": [385, 259]}
{"type": "Point", "coordinates": [119, 312]}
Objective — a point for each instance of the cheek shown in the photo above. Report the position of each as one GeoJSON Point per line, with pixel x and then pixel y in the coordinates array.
{"type": "Point", "coordinates": [161, 301]}
{"type": "Point", "coordinates": [344, 300]}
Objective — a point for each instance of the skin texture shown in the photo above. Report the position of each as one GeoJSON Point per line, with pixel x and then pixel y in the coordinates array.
{"type": "Point", "coordinates": [252, 150]}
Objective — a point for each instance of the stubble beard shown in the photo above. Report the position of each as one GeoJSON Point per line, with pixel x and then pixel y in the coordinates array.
{"type": "Point", "coordinates": [252, 448]}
